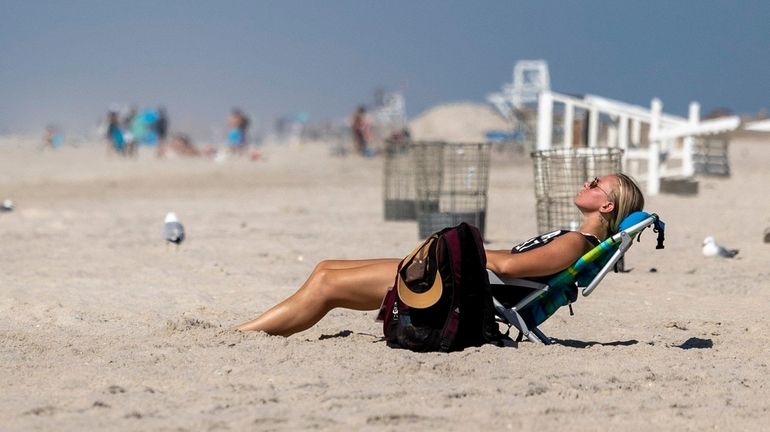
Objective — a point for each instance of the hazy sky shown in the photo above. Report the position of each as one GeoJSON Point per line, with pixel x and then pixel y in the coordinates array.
{"type": "Point", "coordinates": [65, 62]}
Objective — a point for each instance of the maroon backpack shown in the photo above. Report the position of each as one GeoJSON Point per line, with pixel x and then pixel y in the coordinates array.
{"type": "Point", "coordinates": [463, 315]}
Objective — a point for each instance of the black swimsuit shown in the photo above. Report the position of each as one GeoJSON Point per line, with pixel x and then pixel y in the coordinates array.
{"type": "Point", "coordinates": [543, 239]}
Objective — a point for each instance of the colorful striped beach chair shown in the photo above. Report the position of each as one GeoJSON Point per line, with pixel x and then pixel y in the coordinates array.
{"type": "Point", "coordinates": [525, 304]}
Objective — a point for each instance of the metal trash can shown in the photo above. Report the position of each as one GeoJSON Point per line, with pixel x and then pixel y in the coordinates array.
{"type": "Point", "coordinates": [399, 195]}
{"type": "Point", "coordinates": [559, 175]}
{"type": "Point", "coordinates": [451, 182]}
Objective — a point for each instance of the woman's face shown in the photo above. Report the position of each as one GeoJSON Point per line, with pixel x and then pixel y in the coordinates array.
{"type": "Point", "coordinates": [596, 192]}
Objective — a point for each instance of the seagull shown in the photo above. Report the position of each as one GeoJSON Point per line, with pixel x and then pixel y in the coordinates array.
{"type": "Point", "coordinates": [173, 230]}
{"type": "Point", "coordinates": [6, 206]}
{"type": "Point", "coordinates": [711, 248]}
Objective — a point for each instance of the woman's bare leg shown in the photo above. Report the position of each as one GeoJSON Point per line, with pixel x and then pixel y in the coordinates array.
{"type": "Point", "coordinates": [346, 264]}
{"type": "Point", "coordinates": [358, 284]}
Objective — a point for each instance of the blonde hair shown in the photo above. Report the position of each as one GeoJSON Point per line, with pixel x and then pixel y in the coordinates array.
{"type": "Point", "coordinates": [627, 197]}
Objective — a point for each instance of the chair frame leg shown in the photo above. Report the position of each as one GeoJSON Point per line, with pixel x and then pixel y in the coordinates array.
{"type": "Point", "coordinates": [545, 340]}
{"type": "Point", "coordinates": [515, 319]}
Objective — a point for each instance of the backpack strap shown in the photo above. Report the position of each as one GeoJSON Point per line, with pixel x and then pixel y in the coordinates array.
{"type": "Point", "coordinates": [452, 322]}
{"type": "Point", "coordinates": [450, 328]}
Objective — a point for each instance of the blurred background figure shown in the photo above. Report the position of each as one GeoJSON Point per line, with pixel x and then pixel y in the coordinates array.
{"type": "Point", "coordinates": [398, 141]}
{"type": "Point", "coordinates": [127, 126]}
{"type": "Point", "coordinates": [52, 138]}
{"type": "Point", "coordinates": [115, 136]}
{"type": "Point", "coordinates": [238, 126]}
{"type": "Point", "coordinates": [143, 128]}
{"type": "Point", "coordinates": [161, 130]}
{"type": "Point", "coordinates": [361, 130]}
{"type": "Point", "coordinates": [183, 146]}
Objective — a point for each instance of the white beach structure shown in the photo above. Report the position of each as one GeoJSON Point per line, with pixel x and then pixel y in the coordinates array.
{"type": "Point", "coordinates": [758, 126]}
{"type": "Point", "coordinates": [516, 101]}
{"type": "Point", "coordinates": [656, 145]}
{"type": "Point", "coordinates": [390, 114]}
{"type": "Point", "coordinates": [530, 78]}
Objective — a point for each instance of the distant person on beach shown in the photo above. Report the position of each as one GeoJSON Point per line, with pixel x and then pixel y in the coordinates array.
{"type": "Point", "coordinates": [127, 126]}
{"type": "Point", "coordinates": [115, 134]}
{"type": "Point", "coordinates": [160, 128]}
{"type": "Point", "coordinates": [362, 284]}
{"type": "Point", "coordinates": [359, 127]}
{"type": "Point", "coordinates": [182, 146]}
{"type": "Point", "coordinates": [238, 125]}
{"type": "Point", "coordinates": [398, 141]}
{"type": "Point", "coordinates": [53, 138]}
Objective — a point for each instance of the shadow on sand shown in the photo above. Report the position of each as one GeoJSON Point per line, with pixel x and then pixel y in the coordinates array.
{"type": "Point", "coordinates": [696, 343]}
{"type": "Point", "coordinates": [342, 334]}
{"type": "Point", "coordinates": [586, 344]}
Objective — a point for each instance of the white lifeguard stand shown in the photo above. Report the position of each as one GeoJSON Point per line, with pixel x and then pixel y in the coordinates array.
{"type": "Point", "coordinates": [517, 99]}
{"type": "Point", "coordinates": [530, 77]}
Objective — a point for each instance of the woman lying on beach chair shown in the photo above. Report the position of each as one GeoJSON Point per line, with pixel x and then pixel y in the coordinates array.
{"type": "Point", "coordinates": [362, 284]}
{"type": "Point", "coordinates": [525, 303]}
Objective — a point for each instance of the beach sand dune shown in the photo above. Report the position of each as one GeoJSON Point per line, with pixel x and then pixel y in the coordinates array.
{"type": "Point", "coordinates": [103, 326]}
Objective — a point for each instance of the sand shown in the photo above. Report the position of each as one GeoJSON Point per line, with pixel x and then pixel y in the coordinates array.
{"type": "Point", "coordinates": [105, 327]}
{"type": "Point", "coordinates": [457, 121]}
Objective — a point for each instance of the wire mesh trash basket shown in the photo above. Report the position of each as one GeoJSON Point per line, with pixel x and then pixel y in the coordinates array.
{"type": "Point", "coordinates": [451, 182]}
{"type": "Point", "coordinates": [399, 195]}
{"type": "Point", "coordinates": [559, 175]}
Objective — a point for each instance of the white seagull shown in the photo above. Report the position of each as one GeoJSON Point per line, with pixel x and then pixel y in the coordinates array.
{"type": "Point", "coordinates": [7, 206]}
{"type": "Point", "coordinates": [711, 248]}
{"type": "Point", "coordinates": [173, 230]}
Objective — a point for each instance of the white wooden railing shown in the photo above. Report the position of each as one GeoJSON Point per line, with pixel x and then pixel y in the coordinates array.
{"type": "Point", "coordinates": [666, 150]}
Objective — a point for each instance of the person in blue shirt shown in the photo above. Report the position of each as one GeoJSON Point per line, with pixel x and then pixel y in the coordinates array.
{"type": "Point", "coordinates": [115, 134]}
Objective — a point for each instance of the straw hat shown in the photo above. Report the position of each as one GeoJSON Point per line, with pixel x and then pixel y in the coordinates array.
{"type": "Point", "coordinates": [419, 281]}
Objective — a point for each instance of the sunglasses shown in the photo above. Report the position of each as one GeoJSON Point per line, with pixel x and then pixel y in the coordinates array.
{"type": "Point", "coordinates": [595, 185]}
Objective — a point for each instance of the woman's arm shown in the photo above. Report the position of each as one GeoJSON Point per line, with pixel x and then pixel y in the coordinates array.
{"type": "Point", "coordinates": [551, 258]}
